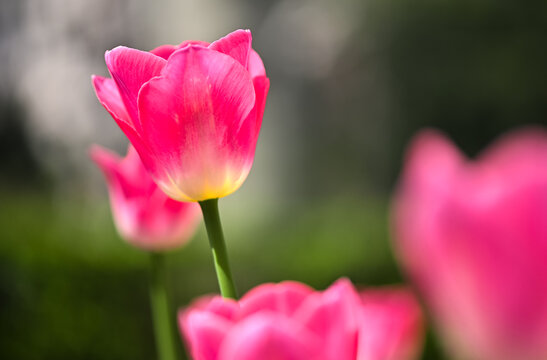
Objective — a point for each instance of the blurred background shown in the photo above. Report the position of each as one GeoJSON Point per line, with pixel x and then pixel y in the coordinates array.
{"type": "Point", "coordinates": [351, 82]}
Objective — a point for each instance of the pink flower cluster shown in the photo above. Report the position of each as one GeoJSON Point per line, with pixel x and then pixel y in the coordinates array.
{"type": "Point", "coordinates": [472, 235]}
{"type": "Point", "coordinates": [291, 321]}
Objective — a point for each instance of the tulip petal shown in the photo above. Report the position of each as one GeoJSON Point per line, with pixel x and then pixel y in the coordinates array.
{"type": "Point", "coordinates": [431, 166]}
{"type": "Point", "coordinates": [226, 308]}
{"type": "Point", "coordinates": [145, 154]}
{"type": "Point", "coordinates": [121, 190]}
{"type": "Point", "coordinates": [106, 160]}
{"type": "Point", "coordinates": [204, 333]}
{"type": "Point", "coordinates": [123, 176]}
{"type": "Point", "coordinates": [109, 96]}
{"type": "Point", "coordinates": [205, 96]}
{"type": "Point", "coordinates": [261, 85]}
{"type": "Point", "coordinates": [333, 316]}
{"type": "Point", "coordinates": [265, 336]}
{"type": "Point", "coordinates": [130, 69]}
{"type": "Point", "coordinates": [164, 51]}
{"type": "Point", "coordinates": [285, 298]}
{"type": "Point", "coordinates": [518, 153]}
{"type": "Point", "coordinates": [193, 42]}
{"type": "Point", "coordinates": [391, 328]}
{"type": "Point", "coordinates": [432, 160]}
{"type": "Point", "coordinates": [247, 135]}
{"type": "Point", "coordinates": [236, 44]}
{"type": "Point", "coordinates": [255, 65]}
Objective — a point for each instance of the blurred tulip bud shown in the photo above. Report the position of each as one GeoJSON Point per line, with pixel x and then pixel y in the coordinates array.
{"type": "Point", "coordinates": [143, 214]}
{"type": "Point", "coordinates": [473, 237]}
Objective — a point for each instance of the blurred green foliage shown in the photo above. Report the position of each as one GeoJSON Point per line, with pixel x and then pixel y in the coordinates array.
{"type": "Point", "coordinates": [474, 69]}
{"type": "Point", "coordinates": [71, 289]}
{"type": "Point", "coordinates": [67, 289]}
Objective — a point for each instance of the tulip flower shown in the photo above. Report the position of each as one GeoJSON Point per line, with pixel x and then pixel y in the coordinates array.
{"type": "Point", "coordinates": [143, 214]}
{"type": "Point", "coordinates": [193, 113]}
{"type": "Point", "coordinates": [148, 219]}
{"type": "Point", "coordinates": [290, 321]}
{"type": "Point", "coordinates": [473, 237]}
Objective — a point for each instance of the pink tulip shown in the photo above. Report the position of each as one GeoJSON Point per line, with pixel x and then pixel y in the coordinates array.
{"type": "Point", "coordinates": [290, 321]}
{"type": "Point", "coordinates": [143, 214]}
{"type": "Point", "coordinates": [473, 237]}
{"type": "Point", "coordinates": [192, 111]}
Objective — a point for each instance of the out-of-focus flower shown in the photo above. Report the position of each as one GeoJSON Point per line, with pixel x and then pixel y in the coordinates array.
{"type": "Point", "coordinates": [143, 214]}
{"type": "Point", "coordinates": [290, 321]}
{"type": "Point", "coordinates": [193, 111]}
{"type": "Point", "coordinates": [473, 237]}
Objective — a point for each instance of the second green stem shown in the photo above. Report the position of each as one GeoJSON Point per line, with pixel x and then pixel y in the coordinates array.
{"type": "Point", "coordinates": [163, 326]}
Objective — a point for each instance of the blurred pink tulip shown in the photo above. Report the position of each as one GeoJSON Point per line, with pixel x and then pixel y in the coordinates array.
{"type": "Point", "coordinates": [143, 214]}
{"type": "Point", "coordinates": [473, 237]}
{"type": "Point", "coordinates": [290, 321]}
{"type": "Point", "coordinates": [193, 111]}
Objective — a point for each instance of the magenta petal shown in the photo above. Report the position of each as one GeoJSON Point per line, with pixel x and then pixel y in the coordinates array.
{"type": "Point", "coordinates": [192, 42]}
{"type": "Point", "coordinates": [121, 190]}
{"type": "Point", "coordinates": [126, 177]}
{"type": "Point", "coordinates": [236, 44]}
{"type": "Point", "coordinates": [164, 51]}
{"type": "Point", "coordinates": [333, 315]}
{"type": "Point", "coordinates": [146, 156]}
{"type": "Point", "coordinates": [284, 298]}
{"type": "Point", "coordinates": [106, 160]}
{"type": "Point", "coordinates": [247, 136]}
{"type": "Point", "coordinates": [517, 153]}
{"type": "Point", "coordinates": [267, 336]}
{"type": "Point", "coordinates": [432, 150]}
{"type": "Point", "coordinates": [130, 69]}
{"type": "Point", "coordinates": [392, 327]}
{"type": "Point", "coordinates": [109, 96]}
{"type": "Point", "coordinates": [255, 65]}
{"type": "Point", "coordinates": [431, 167]}
{"type": "Point", "coordinates": [121, 175]}
{"type": "Point", "coordinates": [205, 97]}
{"type": "Point", "coordinates": [204, 333]}
{"type": "Point", "coordinates": [262, 85]}
{"type": "Point", "coordinates": [226, 308]}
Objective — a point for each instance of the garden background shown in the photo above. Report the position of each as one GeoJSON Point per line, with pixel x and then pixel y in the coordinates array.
{"type": "Point", "coordinates": [351, 82]}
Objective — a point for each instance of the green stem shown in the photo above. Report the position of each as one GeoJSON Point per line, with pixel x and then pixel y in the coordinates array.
{"type": "Point", "coordinates": [218, 246]}
{"type": "Point", "coordinates": [163, 327]}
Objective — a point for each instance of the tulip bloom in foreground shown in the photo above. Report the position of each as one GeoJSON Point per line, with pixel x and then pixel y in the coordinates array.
{"type": "Point", "coordinates": [290, 321]}
{"type": "Point", "coordinates": [473, 236]}
{"type": "Point", "coordinates": [143, 214]}
{"type": "Point", "coordinates": [193, 111]}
